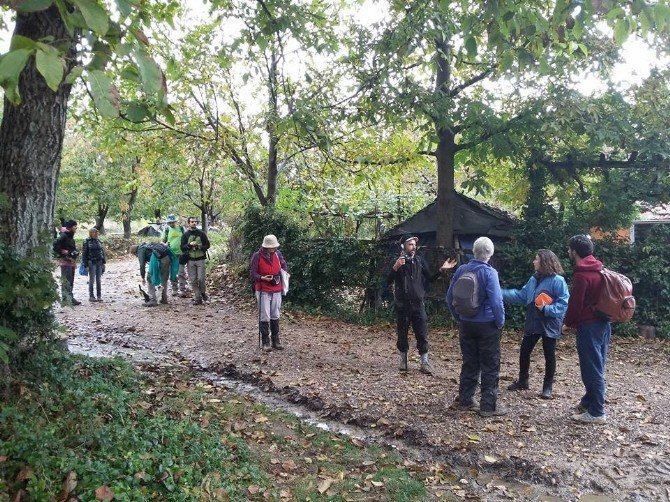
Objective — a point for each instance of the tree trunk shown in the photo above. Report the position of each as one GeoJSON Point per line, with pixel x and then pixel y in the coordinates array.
{"type": "Point", "coordinates": [446, 152]}
{"type": "Point", "coordinates": [127, 214]}
{"type": "Point", "coordinates": [536, 201]}
{"type": "Point", "coordinates": [271, 128]}
{"type": "Point", "coordinates": [100, 217]}
{"type": "Point", "coordinates": [446, 195]}
{"type": "Point", "coordinates": [31, 140]}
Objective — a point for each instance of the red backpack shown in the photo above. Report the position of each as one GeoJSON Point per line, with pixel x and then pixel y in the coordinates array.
{"type": "Point", "coordinates": [616, 302]}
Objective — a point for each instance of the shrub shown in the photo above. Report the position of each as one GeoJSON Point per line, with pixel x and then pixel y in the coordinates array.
{"type": "Point", "coordinates": [27, 291]}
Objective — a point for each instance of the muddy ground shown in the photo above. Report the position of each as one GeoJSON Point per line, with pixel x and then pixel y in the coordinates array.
{"type": "Point", "coordinates": [348, 373]}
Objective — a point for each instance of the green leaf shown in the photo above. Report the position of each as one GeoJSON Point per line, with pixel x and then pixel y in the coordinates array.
{"type": "Point", "coordinates": [151, 74]}
{"type": "Point", "coordinates": [50, 67]}
{"type": "Point", "coordinates": [471, 46]}
{"type": "Point", "coordinates": [21, 42]}
{"type": "Point", "coordinates": [620, 31]}
{"type": "Point", "coordinates": [74, 74]}
{"type": "Point", "coordinates": [137, 112]}
{"type": "Point", "coordinates": [11, 66]}
{"type": "Point", "coordinates": [96, 17]}
{"type": "Point", "coordinates": [33, 5]}
{"type": "Point", "coordinates": [124, 7]}
{"type": "Point", "coordinates": [105, 94]}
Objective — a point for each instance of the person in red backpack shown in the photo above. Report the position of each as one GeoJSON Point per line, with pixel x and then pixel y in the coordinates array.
{"type": "Point", "coordinates": [593, 333]}
{"type": "Point", "coordinates": [265, 272]}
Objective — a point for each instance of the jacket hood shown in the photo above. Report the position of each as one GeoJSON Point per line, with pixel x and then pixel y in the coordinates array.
{"type": "Point", "coordinates": [589, 264]}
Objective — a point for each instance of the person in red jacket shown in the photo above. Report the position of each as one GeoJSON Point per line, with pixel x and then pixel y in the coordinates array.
{"type": "Point", "coordinates": [265, 271]}
{"type": "Point", "coordinates": [593, 333]}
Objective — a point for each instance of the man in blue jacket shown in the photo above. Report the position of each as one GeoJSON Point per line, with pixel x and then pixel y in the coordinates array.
{"type": "Point", "coordinates": [481, 325]}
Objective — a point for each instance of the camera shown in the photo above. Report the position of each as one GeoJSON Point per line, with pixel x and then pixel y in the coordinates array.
{"type": "Point", "coordinates": [276, 279]}
{"type": "Point", "coordinates": [408, 258]}
{"type": "Point", "coordinates": [74, 253]}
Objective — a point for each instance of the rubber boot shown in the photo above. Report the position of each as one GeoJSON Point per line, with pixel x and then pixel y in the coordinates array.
{"type": "Point", "coordinates": [425, 365]}
{"type": "Point", "coordinates": [265, 336]}
{"type": "Point", "coordinates": [547, 389]}
{"type": "Point", "coordinates": [403, 361]}
{"type": "Point", "coordinates": [274, 329]}
{"type": "Point", "coordinates": [524, 368]}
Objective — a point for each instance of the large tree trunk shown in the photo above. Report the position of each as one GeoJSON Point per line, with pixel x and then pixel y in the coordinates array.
{"type": "Point", "coordinates": [446, 195]}
{"type": "Point", "coordinates": [446, 151]}
{"type": "Point", "coordinates": [100, 217]}
{"type": "Point", "coordinates": [31, 140]}
{"type": "Point", "coordinates": [271, 128]}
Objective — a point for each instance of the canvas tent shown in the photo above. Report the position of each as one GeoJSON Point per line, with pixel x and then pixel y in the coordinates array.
{"type": "Point", "coordinates": [472, 219]}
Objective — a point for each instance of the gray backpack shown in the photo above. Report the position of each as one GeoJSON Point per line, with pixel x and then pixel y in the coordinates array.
{"type": "Point", "coordinates": [466, 294]}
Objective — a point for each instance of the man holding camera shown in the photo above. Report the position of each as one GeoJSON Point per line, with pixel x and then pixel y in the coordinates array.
{"type": "Point", "coordinates": [195, 244]}
{"type": "Point", "coordinates": [66, 253]}
{"type": "Point", "coordinates": [265, 272]}
{"type": "Point", "coordinates": [411, 276]}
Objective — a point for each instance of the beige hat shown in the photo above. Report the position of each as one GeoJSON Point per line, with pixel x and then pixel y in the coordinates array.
{"type": "Point", "coordinates": [270, 241]}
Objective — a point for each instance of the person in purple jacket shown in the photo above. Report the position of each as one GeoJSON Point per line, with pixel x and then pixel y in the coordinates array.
{"type": "Point", "coordinates": [479, 334]}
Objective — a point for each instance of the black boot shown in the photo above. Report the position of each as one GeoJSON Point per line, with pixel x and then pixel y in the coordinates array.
{"type": "Point", "coordinates": [265, 336]}
{"type": "Point", "coordinates": [546, 389]}
{"type": "Point", "coordinates": [274, 328]}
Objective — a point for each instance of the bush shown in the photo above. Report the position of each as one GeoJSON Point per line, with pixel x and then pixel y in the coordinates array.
{"type": "Point", "coordinates": [325, 272]}
{"type": "Point", "coordinates": [647, 266]}
{"type": "Point", "coordinates": [27, 291]}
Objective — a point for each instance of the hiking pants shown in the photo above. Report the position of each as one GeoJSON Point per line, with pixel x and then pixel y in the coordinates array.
{"type": "Point", "coordinates": [67, 282]}
{"type": "Point", "coordinates": [270, 304]}
{"type": "Point", "coordinates": [94, 276]}
{"type": "Point", "coordinates": [480, 349]}
{"type": "Point", "coordinates": [592, 343]}
{"type": "Point", "coordinates": [179, 284]}
{"type": "Point", "coordinates": [548, 346]}
{"type": "Point", "coordinates": [412, 313]}
{"type": "Point", "coordinates": [165, 276]}
{"type": "Point", "coordinates": [196, 275]}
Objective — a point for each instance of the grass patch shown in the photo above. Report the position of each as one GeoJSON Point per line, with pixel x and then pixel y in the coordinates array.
{"type": "Point", "coordinates": [77, 427]}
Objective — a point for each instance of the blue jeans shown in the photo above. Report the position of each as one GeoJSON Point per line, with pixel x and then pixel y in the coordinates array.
{"type": "Point", "coordinates": [94, 275]}
{"type": "Point", "coordinates": [592, 343]}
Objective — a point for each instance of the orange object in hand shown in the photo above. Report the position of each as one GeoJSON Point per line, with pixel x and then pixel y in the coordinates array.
{"type": "Point", "coordinates": [543, 299]}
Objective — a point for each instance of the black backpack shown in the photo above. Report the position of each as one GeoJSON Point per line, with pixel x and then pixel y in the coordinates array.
{"type": "Point", "coordinates": [465, 293]}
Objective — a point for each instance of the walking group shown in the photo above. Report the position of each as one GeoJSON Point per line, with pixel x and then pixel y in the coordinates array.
{"type": "Point", "coordinates": [476, 301]}
{"type": "Point", "coordinates": [474, 298]}
{"type": "Point", "coordinates": [179, 255]}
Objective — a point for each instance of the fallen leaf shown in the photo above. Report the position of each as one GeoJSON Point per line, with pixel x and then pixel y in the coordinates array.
{"type": "Point", "coordinates": [253, 489]}
{"type": "Point", "coordinates": [104, 493]}
{"type": "Point", "coordinates": [377, 483]}
{"type": "Point", "coordinates": [490, 459]}
{"type": "Point", "coordinates": [24, 474]}
{"type": "Point", "coordinates": [69, 484]}
{"type": "Point", "coordinates": [259, 419]}
{"type": "Point", "coordinates": [324, 485]}
{"type": "Point", "coordinates": [289, 465]}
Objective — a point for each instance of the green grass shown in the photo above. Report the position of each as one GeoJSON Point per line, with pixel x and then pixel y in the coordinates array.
{"type": "Point", "coordinates": [71, 413]}
{"type": "Point", "coordinates": [160, 435]}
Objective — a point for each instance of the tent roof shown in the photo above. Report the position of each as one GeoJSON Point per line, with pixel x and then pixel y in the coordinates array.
{"type": "Point", "coordinates": [472, 217]}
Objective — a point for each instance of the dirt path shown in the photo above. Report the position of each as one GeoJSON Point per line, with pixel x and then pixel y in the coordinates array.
{"type": "Point", "coordinates": [348, 373]}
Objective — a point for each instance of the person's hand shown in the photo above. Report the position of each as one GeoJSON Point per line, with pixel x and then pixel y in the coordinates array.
{"type": "Point", "coordinates": [399, 263]}
{"type": "Point", "coordinates": [448, 264]}
{"type": "Point", "coordinates": [266, 278]}
{"type": "Point", "coordinates": [64, 252]}
{"type": "Point", "coordinates": [566, 330]}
